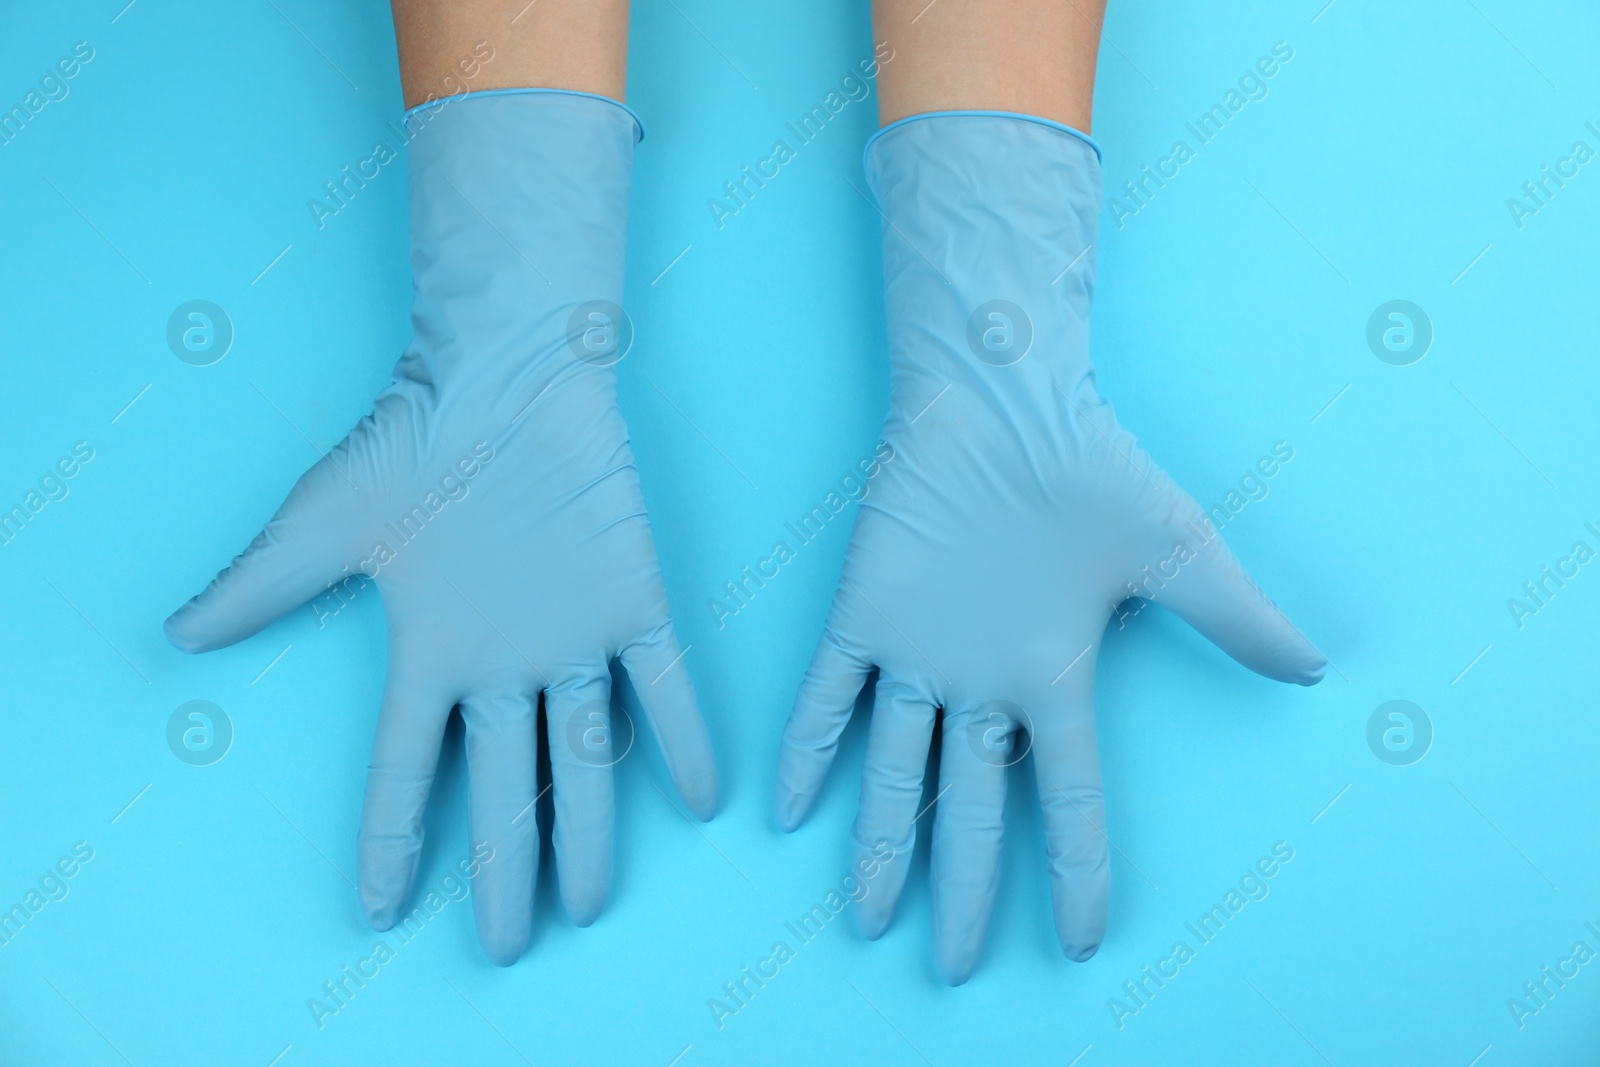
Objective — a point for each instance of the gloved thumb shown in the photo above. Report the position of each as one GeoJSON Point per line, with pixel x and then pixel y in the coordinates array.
{"type": "Point", "coordinates": [1212, 593]}
{"type": "Point", "coordinates": [294, 557]}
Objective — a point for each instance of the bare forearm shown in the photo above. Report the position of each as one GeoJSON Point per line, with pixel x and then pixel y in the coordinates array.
{"type": "Point", "coordinates": [555, 44]}
{"type": "Point", "coordinates": [1032, 56]}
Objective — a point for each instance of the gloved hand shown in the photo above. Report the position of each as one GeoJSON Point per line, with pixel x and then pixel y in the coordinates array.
{"type": "Point", "coordinates": [492, 497]}
{"type": "Point", "coordinates": [990, 552]}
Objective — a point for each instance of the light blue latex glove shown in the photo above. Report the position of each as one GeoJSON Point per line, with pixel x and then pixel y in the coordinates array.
{"type": "Point", "coordinates": [493, 495]}
{"type": "Point", "coordinates": [991, 551]}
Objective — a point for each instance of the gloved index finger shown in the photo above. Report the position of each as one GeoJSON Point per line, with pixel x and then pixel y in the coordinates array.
{"type": "Point", "coordinates": [405, 755]}
{"type": "Point", "coordinates": [1066, 769]}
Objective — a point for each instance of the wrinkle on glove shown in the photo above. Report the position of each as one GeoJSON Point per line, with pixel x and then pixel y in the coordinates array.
{"type": "Point", "coordinates": [991, 552]}
{"type": "Point", "coordinates": [492, 500]}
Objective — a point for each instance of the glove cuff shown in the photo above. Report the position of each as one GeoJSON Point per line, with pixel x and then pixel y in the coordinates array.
{"type": "Point", "coordinates": [990, 223]}
{"type": "Point", "coordinates": [978, 113]}
{"type": "Point", "coordinates": [519, 218]}
{"type": "Point", "coordinates": [417, 116]}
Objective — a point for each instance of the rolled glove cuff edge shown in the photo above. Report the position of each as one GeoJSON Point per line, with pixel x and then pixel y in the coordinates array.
{"type": "Point", "coordinates": [439, 102]}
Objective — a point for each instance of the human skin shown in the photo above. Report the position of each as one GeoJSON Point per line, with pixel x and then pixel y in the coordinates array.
{"type": "Point", "coordinates": [1036, 57]}
{"type": "Point", "coordinates": [547, 44]}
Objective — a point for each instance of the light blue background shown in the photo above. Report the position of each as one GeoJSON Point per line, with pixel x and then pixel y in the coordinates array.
{"type": "Point", "coordinates": [1230, 311]}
